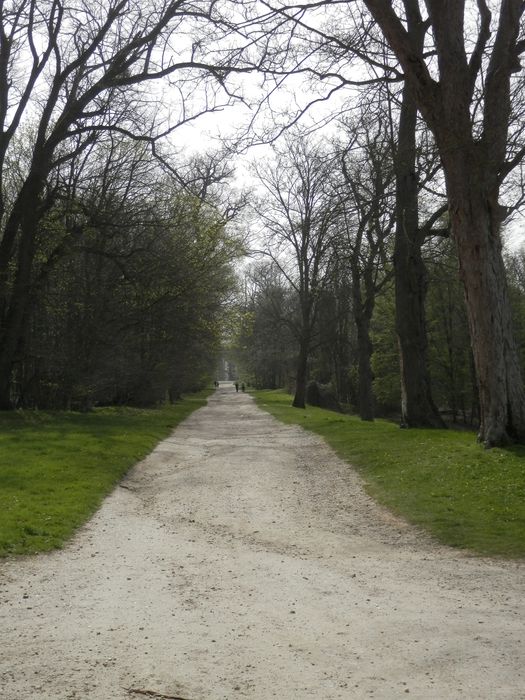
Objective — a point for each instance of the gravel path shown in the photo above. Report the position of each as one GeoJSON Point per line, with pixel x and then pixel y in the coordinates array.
{"type": "Point", "coordinates": [242, 559]}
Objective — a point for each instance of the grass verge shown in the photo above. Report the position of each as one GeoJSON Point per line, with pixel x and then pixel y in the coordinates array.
{"type": "Point", "coordinates": [440, 480]}
{"type": "Point", "coordinates": [56, 467]}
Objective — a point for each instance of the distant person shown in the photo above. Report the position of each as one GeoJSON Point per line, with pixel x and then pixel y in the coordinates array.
{"type": "Point", "coordinates": [242, 387]}
{"type": "Point", "coordinates": [237, 387]}
{"type": "Point", "coordinates": [216, 383]}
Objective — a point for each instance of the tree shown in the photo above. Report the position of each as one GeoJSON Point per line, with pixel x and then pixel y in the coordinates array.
{"type": "Point", "coordinates": [327, 51]}
{"type": "Point", "coordinates": [465, 96]}
{"type": "Point", "coordinates": [453, 377]}
{"type": "Point", "coordinates": [411, 279]}
{"type": "Point", "coordinates": [367, 221]}
{"type": "Point", "coordinates": [299, 217]}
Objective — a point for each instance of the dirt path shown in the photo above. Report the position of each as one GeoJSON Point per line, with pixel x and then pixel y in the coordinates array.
{"type": "Point", "coordinates": [242, 559]}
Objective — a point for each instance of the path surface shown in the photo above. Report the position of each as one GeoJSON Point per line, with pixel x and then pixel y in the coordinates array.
{"type": "Point", "coordinates": [242, 559]}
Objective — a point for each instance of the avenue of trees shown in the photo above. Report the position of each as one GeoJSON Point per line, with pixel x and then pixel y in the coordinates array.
{"type": "Point", "coordinates": [381, 269]}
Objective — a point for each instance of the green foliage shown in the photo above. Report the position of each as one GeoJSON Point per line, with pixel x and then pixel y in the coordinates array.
{"type": "Point", "coordinates": [440, 480]}
{"type": "Point", "coordinates": [131, 312]}
{"type": "Point", "coordinates": [55, 468]}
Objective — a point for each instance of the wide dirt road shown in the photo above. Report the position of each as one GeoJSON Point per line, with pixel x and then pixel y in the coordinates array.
{"type": "Point", "coordinates": [242, 559]}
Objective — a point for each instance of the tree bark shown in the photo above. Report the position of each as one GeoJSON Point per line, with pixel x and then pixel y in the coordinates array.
{"type": "Point", "coordinates": [410, 274]}
{"type": "Point", "coordinates": [15, 304]}
{"type": "Point", "coordinates": [417, 406]}
{"type": "Point", "coordinates": [475, 225]}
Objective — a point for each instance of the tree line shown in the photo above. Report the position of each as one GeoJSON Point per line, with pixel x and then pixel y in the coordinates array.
{"type": "Point", "coordinates": [454, 70]}
{"type": "Point", "coordinates": [131, 312]}
{"type": "Point", "coordinates": [129, 284]}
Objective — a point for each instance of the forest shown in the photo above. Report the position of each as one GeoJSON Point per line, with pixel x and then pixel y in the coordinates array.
{"type": "Point", "coordinates": [363, 265]}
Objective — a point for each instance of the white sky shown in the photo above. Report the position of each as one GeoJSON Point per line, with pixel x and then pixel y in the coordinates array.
{"type": "Point", "coordinates": [207, 132]}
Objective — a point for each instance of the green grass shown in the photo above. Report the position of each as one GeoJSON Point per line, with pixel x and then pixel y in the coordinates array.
{"type": "Point", "coordinates": [56, 467]}
{"type": "Point", "coordinates": [440, 480]}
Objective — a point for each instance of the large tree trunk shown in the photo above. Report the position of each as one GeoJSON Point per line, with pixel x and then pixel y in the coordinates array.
{"type": "Point", "coordinates": [15, 300]}
{"type": "Point", "coordinates": [417, 406]}
{"type": "Point", "coordinates": [14, 323]}
{"type": "Point", "coordinates": [475, 220]}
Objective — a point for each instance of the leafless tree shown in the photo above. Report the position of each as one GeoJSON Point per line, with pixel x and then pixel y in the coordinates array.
{"type": "Point", "coordinates": [462, 63]}
{"type": "Point", "coordinates": [299, 215]}
{"type": "Point", "coordinates": [366, 228]}
{"type": "Point", "coordinates": [339, 53]}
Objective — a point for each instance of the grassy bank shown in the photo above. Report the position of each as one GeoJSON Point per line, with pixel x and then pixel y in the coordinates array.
{"type": "Point", "coordinates": [441, 480]}
{"type": "Point", "coordinates": [55, 468]}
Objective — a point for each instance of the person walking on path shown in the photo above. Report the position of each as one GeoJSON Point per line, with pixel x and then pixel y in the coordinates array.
{"type": "Point", "coordinates": [237, 387]}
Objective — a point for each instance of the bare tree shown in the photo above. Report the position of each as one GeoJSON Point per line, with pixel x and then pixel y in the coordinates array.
{"type": "Point", "coordinates": [462, 63]}
{"type": "Point", "coordinates": [367, 224]}
{"type": "Point", "coordinates": [326, 50]}
{"type": "Point", "coordinates": [299, 217]}
{"type": "Point", "coordinates": [463, 89]}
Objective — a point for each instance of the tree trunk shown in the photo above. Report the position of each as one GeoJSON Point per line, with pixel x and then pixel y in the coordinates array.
{"type": "Point", "coordinates": [417, 406]}
{"type": "Point", "coordinates": [15, 301]}
{"type": "Point", "coordinates": [363, 310]}
{"type": "Point", "coordinates": [474, 405]}
{"type": "Point", "coordinates": [475, 226]}
{"type": "Point", "coordinates": [5, 386]}
{"type": "Point", "coordinates": [299, 400]}
{"type": "Point", "coordinates": [13, 325]}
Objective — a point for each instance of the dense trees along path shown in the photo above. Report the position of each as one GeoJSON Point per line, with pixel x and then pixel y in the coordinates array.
{"type": "Point", "coordinates": [243, 559]}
